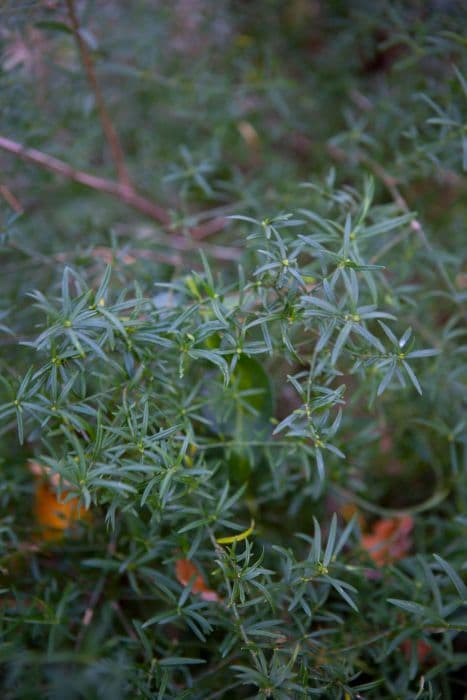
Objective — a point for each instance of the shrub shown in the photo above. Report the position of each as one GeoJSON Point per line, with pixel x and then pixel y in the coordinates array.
{"type": "Point", "coordinates": [245, 427]}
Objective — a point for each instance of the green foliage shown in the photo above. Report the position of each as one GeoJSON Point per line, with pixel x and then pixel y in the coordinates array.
{"type": "Point", "coordinates": [303, 360]}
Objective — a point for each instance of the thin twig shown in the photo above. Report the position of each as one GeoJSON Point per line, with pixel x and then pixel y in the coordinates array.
{"type": "Point", "coordinates": [107, 126]}
{"type": "Point", "coordinates": [391, 185]}
{"type": "Point", "coordinates": [115, 605]}
{"type": "Point", "coordinates": [11, 199]}
{"type": "Point", "coordinates": [89, 612]}
{"type": "Point", "coordinates": [125, 193]}
{"type": "Point", "coordinates": [123, 188]}
{"type": "Point", "coordinates": [209, 228]}
{"type": "Point", "coordinates": [95, 595]}
{"type": "Point", "coordinates": [184, 244]}
{"type": "Point", "coordinates": [392, 243]}
{"type": "Point", "coordinates": [219, 551]}
{"type": "Point", "coordinates": [388, 181]}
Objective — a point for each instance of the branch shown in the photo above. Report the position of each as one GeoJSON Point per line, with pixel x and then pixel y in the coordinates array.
{"type": "Point", "coordinates": [123, 189]}
{"type": "Point", "coordinates": [11, 199]}
{"type": "Point", "coordinates": [388, 181]}
{"type": "Point", "coordinates": [123, 192]}
{"type": "Point", "coordinates": [107, 126]}
{"type": "Point", "coordinates": [391, 185]}
{"type": "Point", "coordinates": [126, 193]}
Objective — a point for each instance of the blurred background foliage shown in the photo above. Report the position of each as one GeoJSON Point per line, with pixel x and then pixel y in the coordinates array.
{"type": "Point", "coordinates": [251, 108]}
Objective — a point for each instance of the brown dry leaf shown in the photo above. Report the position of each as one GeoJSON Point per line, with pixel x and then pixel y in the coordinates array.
{"type": "Point", "coordinates": [389, 539]}
{"type": "Point", "coordinates": [185, 570]}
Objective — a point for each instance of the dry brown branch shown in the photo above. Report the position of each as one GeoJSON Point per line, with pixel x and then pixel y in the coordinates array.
{"type": "Point", "coordinates": [123, 189]}
{"type": "Point", "coordinates": [209, 228]}
{"type": "Point", "coordinates": [388, 181]}
{"type": "Point", "coordinates": [11, 199]}
{"type": "Point", "coordinates": [178, 242]}
{"type": "Point", "coordinates": [115, 605]}
{"type": "Point", "coordinates": [95, 595]}
{"type": "Point", "coordinates": [107, 126]}
{"type": "Point", "coordinates": [126, 193]}
{"type": "Point", "coordinates": [107, 255]}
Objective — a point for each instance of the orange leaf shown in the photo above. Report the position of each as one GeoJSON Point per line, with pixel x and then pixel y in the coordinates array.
{"type": "Point", "coordinates": [185, 570]}
{"type": "Point", "coordinates": [389, 540]}
{"type": "Point", "coordinates": [55, 516]}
